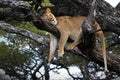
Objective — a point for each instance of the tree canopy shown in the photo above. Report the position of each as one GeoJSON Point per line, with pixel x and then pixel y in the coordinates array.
{"type": "Point", "coordinates": [24, 44]}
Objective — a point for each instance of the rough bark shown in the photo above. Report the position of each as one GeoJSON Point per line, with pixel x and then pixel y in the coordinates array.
{"type": "Point", "coordinates": [16, 5]}
{"type": "Point", "coordinates": [118, 7]}
{"type": "Point", "coordinates": [105, 12]}
{"type": "Point", "coordinates": [11, 14]}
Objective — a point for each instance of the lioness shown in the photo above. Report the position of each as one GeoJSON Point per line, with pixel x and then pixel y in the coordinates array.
{"type": "Point", "coordinates": [69, 28]}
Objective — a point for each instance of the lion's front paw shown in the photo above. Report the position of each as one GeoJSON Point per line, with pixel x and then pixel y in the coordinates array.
{"type": "Point", "coordinates": [70, 47]}
{"type": "Point", "coordinates": [60, 53]}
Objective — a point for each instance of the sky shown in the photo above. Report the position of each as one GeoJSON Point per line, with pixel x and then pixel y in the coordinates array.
{"type": "Point", "coordinates": [113, 2]}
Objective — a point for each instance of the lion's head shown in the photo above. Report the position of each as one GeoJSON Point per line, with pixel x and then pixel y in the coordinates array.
{"type": "Point", "coordinates": [48, 17]}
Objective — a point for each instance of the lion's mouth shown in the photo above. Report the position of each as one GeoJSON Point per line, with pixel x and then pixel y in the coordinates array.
{"type": "Point", "coordinates": [54, 22]}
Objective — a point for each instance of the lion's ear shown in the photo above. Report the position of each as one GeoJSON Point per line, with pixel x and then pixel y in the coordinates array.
{"type": "Point", "coordinates": [48, 10]}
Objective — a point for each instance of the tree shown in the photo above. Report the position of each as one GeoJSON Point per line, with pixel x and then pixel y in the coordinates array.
{"type": "Point", "coordinates": [107, 16]}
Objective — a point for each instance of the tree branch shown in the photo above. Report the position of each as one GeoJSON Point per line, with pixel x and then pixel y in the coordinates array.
{"type": "Point", "coordinates": [96, 56]}
{"type": "Point", "coordinates": [11, 14]}
{"type": "Point", "coordinates": [9, 28]}
{"type": "Point", "coordinates": [17, 5]}
{"type": "Point", "coordinates": [80, 7]}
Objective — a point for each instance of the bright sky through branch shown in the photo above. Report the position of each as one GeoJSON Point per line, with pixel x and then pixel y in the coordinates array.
{"type": "Point", "coordinates": [113, 2]}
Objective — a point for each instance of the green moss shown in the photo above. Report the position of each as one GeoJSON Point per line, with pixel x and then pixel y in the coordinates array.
{"type": "Point", "coordinates": [28, 26]}
{"type": "Point", "coordinates": [2, 33]}
{"type": "Point", "coordinates": [46, 3]}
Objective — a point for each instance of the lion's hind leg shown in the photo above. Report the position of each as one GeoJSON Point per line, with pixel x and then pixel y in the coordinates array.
{"type": "Point", "coordinates": [101, 36]}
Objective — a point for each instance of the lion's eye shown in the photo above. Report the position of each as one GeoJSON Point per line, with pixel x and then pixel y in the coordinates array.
{"type": "Point", "coordinates": [46, 15]}
{"type": "Point", "coordinates": [52, 19]}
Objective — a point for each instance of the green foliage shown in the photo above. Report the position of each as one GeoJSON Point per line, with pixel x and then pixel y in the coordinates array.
{"type": "Point", "coordinates": [2, 33]}
{"type": "Point", "coordinates": [10, 56]}
{"type": "Point", "coordinates": [46, 3]}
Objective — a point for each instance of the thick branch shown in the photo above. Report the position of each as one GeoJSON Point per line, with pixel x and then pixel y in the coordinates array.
{"type": "Point", "coordinates": [118, 7]}
{"type": "Point", "coordinates": [17, 5]}
{"type": "Point", "coordinates": [11, 14]}
{"type": "Point", "coordinates": [9, 28]}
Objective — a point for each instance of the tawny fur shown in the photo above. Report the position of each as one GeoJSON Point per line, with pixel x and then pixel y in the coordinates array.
{"type": "Point", "coordinates": [69, 27]}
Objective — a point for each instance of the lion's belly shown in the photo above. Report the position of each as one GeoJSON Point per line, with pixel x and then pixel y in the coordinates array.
{"type": "Point", "coordinates": [74, 35]}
